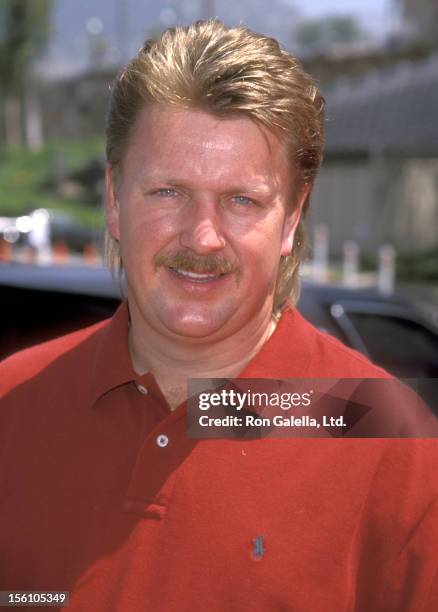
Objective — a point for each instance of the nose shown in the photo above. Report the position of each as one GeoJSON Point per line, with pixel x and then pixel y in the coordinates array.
{"type": "Point", "coordinates": [202, 232]}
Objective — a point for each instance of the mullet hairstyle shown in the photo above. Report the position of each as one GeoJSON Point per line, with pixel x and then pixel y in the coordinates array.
{"type": "Point", "coordinates": [224, 71]}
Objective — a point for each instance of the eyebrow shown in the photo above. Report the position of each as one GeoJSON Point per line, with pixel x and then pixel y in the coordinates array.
{"type": "Point", "coordinates": [258, 188]}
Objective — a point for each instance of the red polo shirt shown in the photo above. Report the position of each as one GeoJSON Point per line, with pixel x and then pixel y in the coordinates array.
{"type": "Point", "coordinates": [103, 495]}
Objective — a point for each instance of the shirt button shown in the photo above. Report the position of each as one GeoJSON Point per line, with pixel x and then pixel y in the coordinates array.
{"type": "Point", "coordinates": [162, 440]}
{"type": "Point", "coordinates": [142, 389]}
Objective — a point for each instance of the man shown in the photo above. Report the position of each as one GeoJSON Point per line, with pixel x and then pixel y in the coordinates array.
{"type": "Point", "coordinates": [214, 138]}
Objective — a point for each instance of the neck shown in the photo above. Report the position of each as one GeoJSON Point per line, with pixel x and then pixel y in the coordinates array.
{"type": "Point", "coordinates": [177, 359]}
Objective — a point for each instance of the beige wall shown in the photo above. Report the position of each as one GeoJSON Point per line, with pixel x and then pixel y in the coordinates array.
{"type": "Point", "coordinates": [378, 202]}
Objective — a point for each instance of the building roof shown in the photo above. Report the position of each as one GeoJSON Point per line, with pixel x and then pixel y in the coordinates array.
{"type": "Point", "coordinates": [387, 112]}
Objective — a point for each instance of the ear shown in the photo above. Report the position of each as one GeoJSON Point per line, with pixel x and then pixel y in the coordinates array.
{"type": "Point", "coordinates": [111, 205]}
{"type": "Point", "coordinates": [292, 220]}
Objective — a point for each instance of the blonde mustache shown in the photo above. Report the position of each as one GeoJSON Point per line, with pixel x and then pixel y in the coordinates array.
{"type": "Point", "coordinates": [189, 262]}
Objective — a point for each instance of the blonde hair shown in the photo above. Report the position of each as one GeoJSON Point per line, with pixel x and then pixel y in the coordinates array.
{"type": "Point", "coordinates": [207, 66]}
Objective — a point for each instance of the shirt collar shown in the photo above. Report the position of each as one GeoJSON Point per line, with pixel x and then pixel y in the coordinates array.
{"type": "Point", "coordinates": [287, 353]}
{"type": "Point", "coordinates": [113, 365]}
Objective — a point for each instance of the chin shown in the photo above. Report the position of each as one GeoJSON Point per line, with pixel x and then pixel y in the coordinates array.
{"type": "Point", "coordinates": [194, 324]}
{"type": "Point", "coordinates": [192, 328]}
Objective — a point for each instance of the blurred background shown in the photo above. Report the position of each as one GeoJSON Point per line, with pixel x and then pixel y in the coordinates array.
{"type": "Point", "coordinates": [376, 62]}
{"type": "Point", "coordinates": [373, 218]}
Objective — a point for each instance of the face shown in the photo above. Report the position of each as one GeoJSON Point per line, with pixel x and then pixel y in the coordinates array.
{"type": "Point", "coordinates": [203, 210]}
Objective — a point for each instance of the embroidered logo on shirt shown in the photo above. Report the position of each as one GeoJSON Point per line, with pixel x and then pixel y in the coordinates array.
{"type": "Point", "coordinates": [258, 548]}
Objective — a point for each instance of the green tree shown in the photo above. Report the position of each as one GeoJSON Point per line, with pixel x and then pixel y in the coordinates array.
{"type": "Point", "coordinates": [24, 33]}
{"type": "Point", "coordinates": [317, 35]}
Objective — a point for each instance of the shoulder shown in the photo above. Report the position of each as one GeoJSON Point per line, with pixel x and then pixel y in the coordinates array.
{"type": "Point", "coordinates": [298, 350]}
{"type": "Point", "coordinates": [332, 354]}
{"type": "Point", "coordinates": [27, 364]}
{"type": "Point", "coordinates": [327, 356]}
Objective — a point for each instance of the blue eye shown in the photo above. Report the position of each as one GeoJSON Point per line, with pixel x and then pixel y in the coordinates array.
{"type": "Point", "coordinates": [167, 192]}
{"type": "Point", "coordinates": [242, 200]}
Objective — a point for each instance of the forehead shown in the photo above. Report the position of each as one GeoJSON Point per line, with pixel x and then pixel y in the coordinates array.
{"type": "Point", "coordinates": [204, 145]}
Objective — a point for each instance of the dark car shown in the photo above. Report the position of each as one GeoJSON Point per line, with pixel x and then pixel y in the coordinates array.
{"type": "Point", "coordinates": [39, 303]}
{"type": "Point", "coordinates": [392, 331]}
